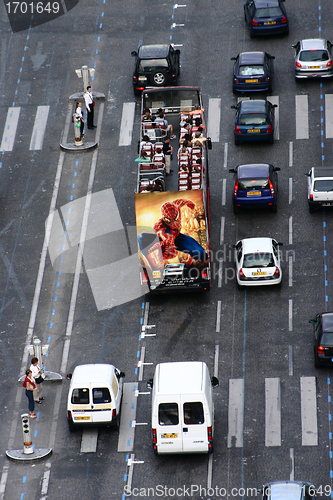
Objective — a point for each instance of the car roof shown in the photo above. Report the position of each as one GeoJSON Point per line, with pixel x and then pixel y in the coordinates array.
{"type": "Point", "coordinates": [322, 172]}
{"type": "Point", "coordinates": [253, 245]}
{"type": "Point", "coordinates": [186, 377]}
{"type": "Point", "coordinates": [92, 374]}
{"type": "Point", "coordinates": [153, 51]}
{"type": "Point", "coordinates": [327, 322]}
{"type": "Point", "coordinates": [253, 105]}
{"type": "Point", "coordinates": [259, 4]}
{"type": "Point", "coordinates": [251, 57]}
{"type": "Point", "coordinates": [253, 170]}
{"type": "Point", "coordinates": [313, 43]}
{"type": "Point", "coordinates": [282, 490]}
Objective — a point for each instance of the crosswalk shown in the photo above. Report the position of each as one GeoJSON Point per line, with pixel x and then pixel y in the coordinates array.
{"type": "Point", "coordinates": [301, 113]}
{"type": "Point", "coordinates": [273, 412]}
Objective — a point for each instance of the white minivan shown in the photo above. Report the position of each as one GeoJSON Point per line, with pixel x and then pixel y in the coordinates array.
{"type": "Point", "coordinates": [94, 395]}
{"type": "Point", "coordinates": [182, 408]}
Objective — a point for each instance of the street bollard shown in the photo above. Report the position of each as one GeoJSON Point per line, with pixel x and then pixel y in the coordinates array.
{"type": "Point", "coordinates": [77, 129]}
{"type": "Point", "coordinates": [27, 443]}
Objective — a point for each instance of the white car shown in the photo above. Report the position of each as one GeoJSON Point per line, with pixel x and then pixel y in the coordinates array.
{"type": "Point", "coordinates": [258, 262]}
{"type": "Point", "coordinates": [320, 187]}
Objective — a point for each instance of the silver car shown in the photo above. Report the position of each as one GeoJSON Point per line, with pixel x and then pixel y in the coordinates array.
{"type": "Point", "coordinates": [313, 58]}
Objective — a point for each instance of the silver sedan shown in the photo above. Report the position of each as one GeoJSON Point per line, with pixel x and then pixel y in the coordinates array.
{"type": "Point", "coordinates": [313, 58]}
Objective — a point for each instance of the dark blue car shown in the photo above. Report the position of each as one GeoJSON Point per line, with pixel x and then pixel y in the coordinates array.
{"type": "Point", "coordinates": [253, 71]}
{"type": "Point", "coordinates": [266, 17]}
{"type": "Point", "coordinates": [255, 186]}
{"type": "Point", "coordinates": [254, 121]}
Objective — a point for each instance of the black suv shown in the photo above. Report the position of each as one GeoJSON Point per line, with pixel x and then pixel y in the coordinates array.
{"type": "Point", "coordinates": [155, 66]}
{"type": "Point", "coordinates": [323, 332]}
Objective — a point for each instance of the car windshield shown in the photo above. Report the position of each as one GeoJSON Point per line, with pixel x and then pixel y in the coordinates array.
{"type": "Point", "coordinates": [268, 12]}
{"type": "Point", "coordinates": [246, 184]}
{"type": "Point", "coordinates": [258, 259]}
{"type": "Point", "coordinates": [253, 119]}
{"type": "Point", "coordinates": [327, 340]}
{"type": "Point", "coordinates": [148, 64]}
{"type": "Point", "coordinates": [323, 185]}
{"type": "Point", "coordinates": [313, 55]}
{"type": "Point", "coordinates": [252, 70]}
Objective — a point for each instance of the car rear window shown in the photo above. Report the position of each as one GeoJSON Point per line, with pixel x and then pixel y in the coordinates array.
{"type": "Point", "coordinates": [327, 340]}
{"type": "Point", "coordinates": [193, 413]}
{"type": "Point", "coordinates": [147, 64]}
{"type": "Point", "coordinates": [313, 55]}
{"type": "Point", "coordinates": [268, 12]}
{"type": "Point", "coordinates": [252, 70]}
{"type": "Point", "coordinates": [101, 395]}
{"type": "Point", "coordinates": [323, 185]}
{"type": "Point", "coordinates": [253, 119]}
{"type": "Point", "coordinates": [168, 414]}
{"type": "Point", "coordinates": [246, 184]}
{"type": "Point", "coordinates": [80, 397]}
{"type": "Point", "coordinates": [259, 259]}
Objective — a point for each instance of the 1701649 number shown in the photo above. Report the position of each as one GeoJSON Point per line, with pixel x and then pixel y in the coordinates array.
{"type": "Point", "coordinates": [324, 490]}
{"type": "Point", "coordinates": [32, 8]}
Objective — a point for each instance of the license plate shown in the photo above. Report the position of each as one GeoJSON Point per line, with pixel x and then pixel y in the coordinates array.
{"type": "Point", "coordinates": [269, 22]}
{"type": "Point", "coordinates": [251, 130]}
{"type": "Point", "coordinates": [259, 273]}
{"type": "Point", "coordinates": [252, 81]}
{"type": "Point", "coordinates": [314, 67]}
{"type": "Point", "coordinates": [156, 274]}
{"type": "Point", "coordinates": [142, 78]}
{"type": "Point", "coordinates": [81, 418]}
{"type": "Point", "coordinates": [168, 436]}
{"type": "Point", "coordinates": [253, 193]}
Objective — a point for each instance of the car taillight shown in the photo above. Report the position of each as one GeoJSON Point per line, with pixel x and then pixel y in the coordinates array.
{"type": "Point", "coordinates": [154, 435]}
{"type": "Point", "coordinates": [267, 79]}
{"type": "Point", "coordinates": [210, 433]}
{"type": "Point", "coordinates": [236, 188]}
{"type": "Point", "coordinates": [269, 129]}
{"type": "Point", "coordinates": [241, 274]}
{"type": "Point", "coordinates": [329, 64]}
{"type": "Point", "coordinates": [311, 197]}
{"type": "Point", "coordinates": [237, 130]}
{"type": "Point", "coordinates": [254, 22]}
{"type": "Point", "coordinates": [320, 349]}
{"type": "Point", "coordinates": [277, 271]}
{"type": "Point", "coordinates": [69, 414]}
{"type": "Point", "coordinates": [135, 78]}
{"type": "Point", "coordinates": [271, 186]}
{"type": "Point", "coordinates": [298, 64]}
{"type": "Point", "coordinates": [284, 20]}
{"type": "Point", "coordinates": [114, 413]}
{"type": "Point", "coordinates": [204, 273]}
{"type": "Point", "coordinates": [236, 80]}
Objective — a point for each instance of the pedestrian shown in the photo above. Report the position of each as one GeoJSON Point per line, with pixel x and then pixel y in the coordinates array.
{"type": "Point", "coordinates": [37, 371]}
{"type": "Point", "coordinates": [30, 387]}
{"type": "Point", "coordinates": [89, 100]}
{"type": "Point", "coordinates": [160, 118]}
{"type": "Point", "coordinates": [79, 111]}
{"type": "Point", "coordinates": [167, 150]}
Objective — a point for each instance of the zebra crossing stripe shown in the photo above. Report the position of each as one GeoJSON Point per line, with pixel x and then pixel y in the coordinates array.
{"type": "Point", "coordinates": [329, 116]}
{"type": "Point", "coordinates": [236, 413]}
{"type": "Point", "coordinates": [309, 411]}
{"type": "Point", "coordinates": [214, 119]}
{"type": "Point", "coordinates": [38, 131]}
{"type": "Point", "coordinates": [302, 116]}
{"type": "Point", "coordinates": [272, 412]}
{"type": "Point", "coordinates": [9, 132]}
{"type": "Point", "coordinates": [126, 127]}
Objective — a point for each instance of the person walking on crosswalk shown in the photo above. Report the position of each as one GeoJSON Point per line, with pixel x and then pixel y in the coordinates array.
{"type": "Point", "coordinates": [89, 100]}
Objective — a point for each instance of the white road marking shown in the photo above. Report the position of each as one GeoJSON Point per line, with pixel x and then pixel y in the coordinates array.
{"type": "Point", "coordinates": [309, 411]}
{"type": "Point", "coordinates": [222, 230]}
{"type": "Point", "coordinates": [292, 464]}
{"type": "Point", "coordinates": [8, 137]}
{"type": "Point", "coordinates": [127, 121]}
{"type": "Point", "coordinates": [214, 119]}
{"type": "Point", "coordinates": [127, 416]}
{"type": "Point", "coordinates": [290, 268]}
{"type": "Point", "coordinates": [89, 440]}
{"type": "Point", "coordinates": [225, 156]}
{"type": "Point", "coordinates": [290, 312]}
{"type": "Point", "coordinates": [236, 413]}
{"type": "Point", "coordinates": [329, 116]}
{"type": "Point", "coordinates": [218, 316]}
{"type": "Point", "coordinates": [291, 153]}
{"type": "Point", "coordinates": [272, 412]}
{"type": "Point", "coordinates": [290, 360]}
{"type": "Point", "coordinates": [224, 190]}
{"type": "Point", "coordinates": [302, 117]}
{"type": "Point", "coordinates": [216, 359]}
{"type": "Point", "coordinates": [274, 99]}
{"type": "Point", "coordinates": [290, 190]}
{"type": "Point", "coordinates": [220, 274]}
{"type": "Point", "coordinates": [38, 131]}
{"type": "Point", "coordinates": [291, 230]}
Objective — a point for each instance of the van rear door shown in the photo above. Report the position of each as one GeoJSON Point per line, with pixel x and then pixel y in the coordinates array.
{"type": "Point", "coordinates": [101, 405]}
{"type": "Point", "coordinates": [81, 405]}
{"type": "Point", "coordinates": [195, 433]}
{"type": "Point", "coordinates": [169, 428]}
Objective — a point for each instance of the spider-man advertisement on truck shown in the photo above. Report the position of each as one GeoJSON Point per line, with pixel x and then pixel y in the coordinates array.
{"type": "Point", "coordinates": [172, 239]}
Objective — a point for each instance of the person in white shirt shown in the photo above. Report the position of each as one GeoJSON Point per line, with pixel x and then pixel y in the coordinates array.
{"type": "Point", "coordinates": [89, 100]}
{"type": "Point", "coordinates": [36, 372]}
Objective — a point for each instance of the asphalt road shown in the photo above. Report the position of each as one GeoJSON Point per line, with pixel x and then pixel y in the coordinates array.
{"type": "Point", "coordinates": [257, 341]}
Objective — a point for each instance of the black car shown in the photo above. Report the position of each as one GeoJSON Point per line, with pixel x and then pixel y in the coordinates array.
{"type": "Point", "coordinates": [253, 71]}
{"type": "Point", "coordinates": [323, 345]}
{"type": "Point", "coordinates": [266, 17]}
{"type": "Point", "coordinates": [255, 186]}
{"type": "Point", "coordinates": [254, 121]}
{"type": "Point", "coordinates": [155, 66]}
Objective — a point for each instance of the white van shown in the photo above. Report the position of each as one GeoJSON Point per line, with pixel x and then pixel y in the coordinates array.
{"type": "Point", "coordinates": [94, 395]}
{"type": "Point", "coordinates": [182, 408]}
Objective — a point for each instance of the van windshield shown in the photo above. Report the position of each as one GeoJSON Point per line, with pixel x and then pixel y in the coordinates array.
{"type": "Point", "coordinates": [193, 413]}
{"type": "Point", "coordinates": [101, 395]}
{"type": "Point", "coordinates": [168, 414]}
{"type": "Point", "coordinates": [80, 397]}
